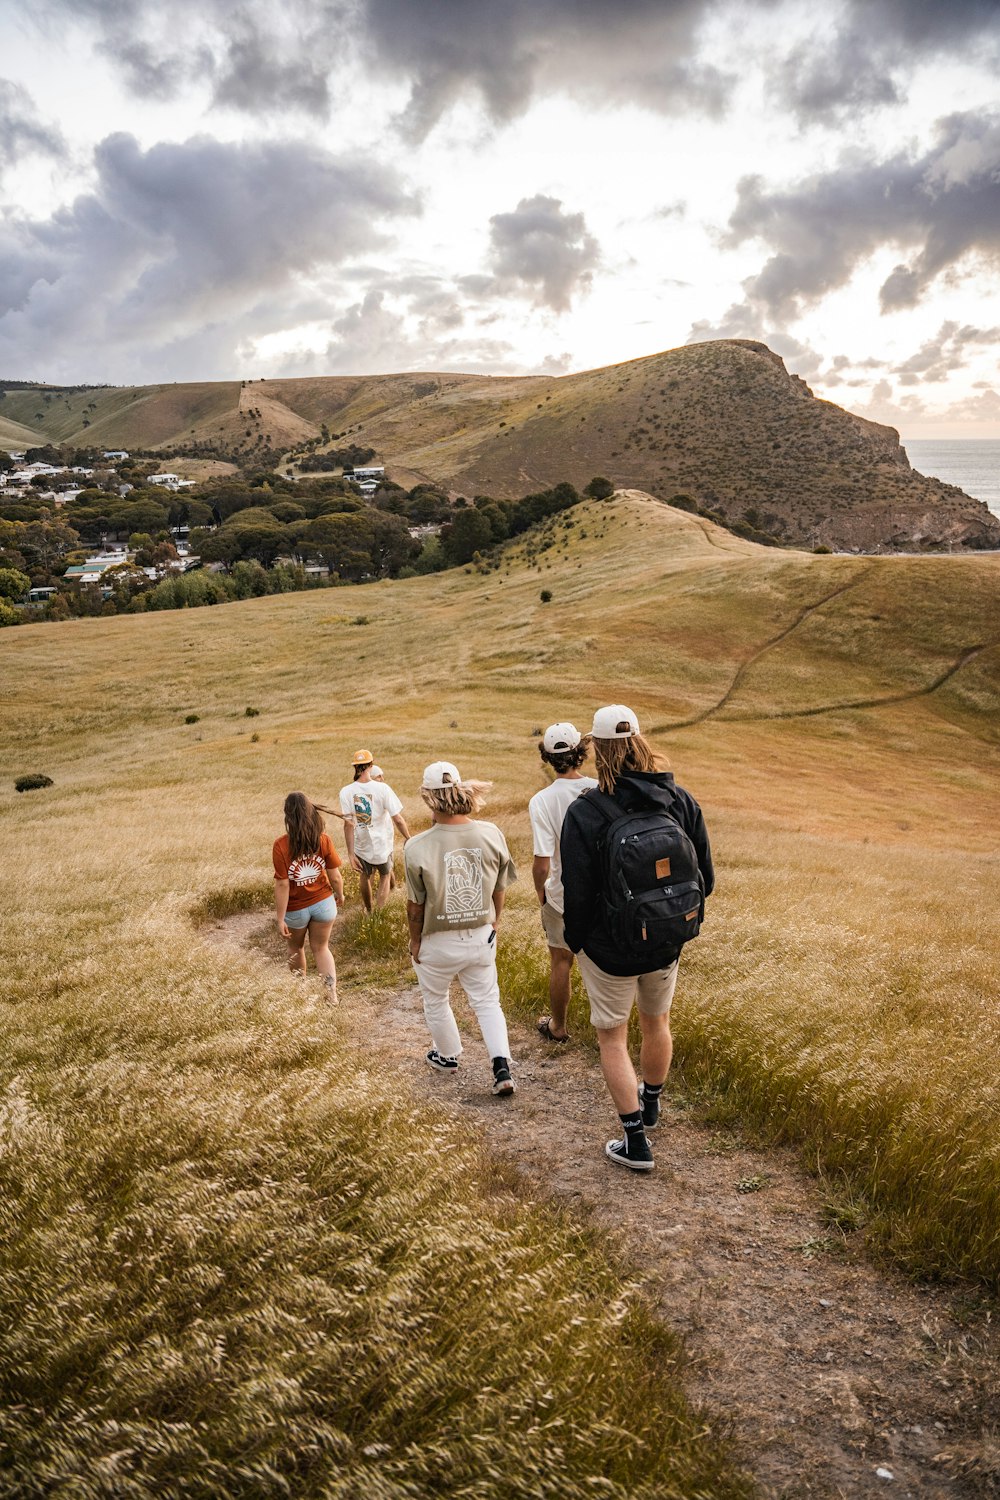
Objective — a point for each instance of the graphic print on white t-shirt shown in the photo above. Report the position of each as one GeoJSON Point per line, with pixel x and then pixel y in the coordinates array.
{"type": "Point", "coordinates": [463, 875]}
{"type": "Point", "coordinates": [371, 805]}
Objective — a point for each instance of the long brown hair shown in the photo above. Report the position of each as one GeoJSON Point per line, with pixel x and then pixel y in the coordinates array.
{"type": "Point", "coordinates": [613, 757]}
{"type": "Point", "coordinates": [304, 824]}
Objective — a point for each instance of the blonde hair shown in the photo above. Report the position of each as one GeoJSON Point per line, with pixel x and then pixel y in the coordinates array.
{"type": "Point", "coordinates": [613, 757]}
{"type": "Point", "coordinates": [457, 799]}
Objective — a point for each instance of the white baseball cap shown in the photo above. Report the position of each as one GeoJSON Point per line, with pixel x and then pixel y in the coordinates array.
{"type": "Point", "coordinates": [439, 774]}
{"type": "Point", "coordinates": [608, 722]}
{"type": "Point", "coordinates": [561, 737]}
{"type": "Point", "coordinates": [377, 772]}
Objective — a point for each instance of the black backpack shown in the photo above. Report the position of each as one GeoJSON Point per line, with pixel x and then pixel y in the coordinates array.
{"type": "Point", "coordinates": [654, 894]}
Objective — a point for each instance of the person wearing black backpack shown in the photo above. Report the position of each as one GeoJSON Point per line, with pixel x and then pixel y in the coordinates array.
{"type": "Point", "coordinates": [637, 867]}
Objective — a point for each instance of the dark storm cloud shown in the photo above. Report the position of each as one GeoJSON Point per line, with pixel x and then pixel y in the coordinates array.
{"type": "Point", "coordinates": [637, 50]}
{"type": "Point", "coordinates": [938, 208]}
{"type": "Point", "coordinates": [302, 54]}
{"type": "Point", "coordinates": [541, 252]}
{"type": "Point", "coordinates": [258, 56]}
{"type": "Point", "coordinates": [875, 47]}
{"type": "Point", "coordinates": [200, 233]}
{"type": "Point", "coordinates": [22, 133]}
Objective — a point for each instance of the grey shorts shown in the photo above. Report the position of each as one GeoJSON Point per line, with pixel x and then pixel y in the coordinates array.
{"type": "Point", "coordinates": [612, 997]}
{"type": "Point", "coordinates": [552, 926]}
{"type": "Point", "coordinates": [371, 869]}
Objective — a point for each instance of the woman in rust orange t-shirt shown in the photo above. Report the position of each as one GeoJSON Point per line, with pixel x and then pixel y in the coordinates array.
{"type": "Point", "coordinates": [308, 887]}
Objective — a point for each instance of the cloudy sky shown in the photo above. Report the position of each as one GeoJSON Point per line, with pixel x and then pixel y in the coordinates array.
{"type": "Point", "coordinates": [205, 189]}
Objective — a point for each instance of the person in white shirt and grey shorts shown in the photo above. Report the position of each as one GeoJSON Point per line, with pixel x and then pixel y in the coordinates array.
{"type": "Point", "coordinates": [564, 750]}
{"type": "Point", "coordinates": [371, 810]}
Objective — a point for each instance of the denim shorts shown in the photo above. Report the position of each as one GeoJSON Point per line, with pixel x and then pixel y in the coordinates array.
{"type": "Point", "coordinates": [320, 911]}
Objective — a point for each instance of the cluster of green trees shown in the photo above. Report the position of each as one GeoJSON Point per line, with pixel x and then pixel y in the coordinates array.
{"type": "Point", "coordinates": [335, 458]}
{"type": "Point", "coordinates": [261, 528]}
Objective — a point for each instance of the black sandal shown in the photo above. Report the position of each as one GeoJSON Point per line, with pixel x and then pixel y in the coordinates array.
{"type": "Point", "coordinates": [544, 1028]}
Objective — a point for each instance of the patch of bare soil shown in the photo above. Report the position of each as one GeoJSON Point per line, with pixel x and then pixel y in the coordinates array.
{"type": "Point", "coordinates": [839, 1379]}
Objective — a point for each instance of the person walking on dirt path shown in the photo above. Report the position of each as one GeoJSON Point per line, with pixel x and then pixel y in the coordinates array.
{"type": "Point", "coordinates": [379, 775]}
{"type": "Point", "coordinates": [563, 750]}
{"type": "Point", "coordinates": [308, 887]}
{"type": "Point", "coordinates": [371, 809]}
{"type": "Point", "coordinates": [637, 867]}
{"type": "Point", "coordinates": [457, 873]}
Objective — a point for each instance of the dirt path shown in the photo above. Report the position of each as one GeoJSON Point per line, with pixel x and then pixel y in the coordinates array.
{"type": "Point", "coordinates": [839, 1380]}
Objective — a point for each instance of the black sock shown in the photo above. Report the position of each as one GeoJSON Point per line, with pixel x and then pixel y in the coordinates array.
{"type": "Point", "coordinates": [632, 1124]}
{"type": "Point", "coordinates": [652, 1090]}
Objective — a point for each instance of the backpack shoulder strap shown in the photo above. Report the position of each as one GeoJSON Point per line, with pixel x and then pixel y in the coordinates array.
{"type": "Point", "coordinates": [606, 806]}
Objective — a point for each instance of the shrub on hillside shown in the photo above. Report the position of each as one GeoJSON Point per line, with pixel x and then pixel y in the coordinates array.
{"type": "Point", "coordinates": [32, 783]}
{"type": "Point", "coordinates": [600, 488]}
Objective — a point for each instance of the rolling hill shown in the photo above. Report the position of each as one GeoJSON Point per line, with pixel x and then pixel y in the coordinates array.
{"type": "Point", "coordinates": [235, 1240]}
{"type": "Point", "coordinates": [721, 423]}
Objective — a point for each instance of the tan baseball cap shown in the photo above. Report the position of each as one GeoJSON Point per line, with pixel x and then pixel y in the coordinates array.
{"type": "Point", "coordinates": [362, 758]}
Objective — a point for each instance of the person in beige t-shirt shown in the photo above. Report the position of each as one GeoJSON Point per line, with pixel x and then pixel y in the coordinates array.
{"type": "Point", "coordinates": [457, 873]}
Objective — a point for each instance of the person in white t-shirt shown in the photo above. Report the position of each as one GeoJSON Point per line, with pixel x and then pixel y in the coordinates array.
{"type": "Point", "coordinates": [379, 775]}
{"type": "Point", "coordinates": [371, 810]}
{"type": "Point", "coordinates": [563, 750]}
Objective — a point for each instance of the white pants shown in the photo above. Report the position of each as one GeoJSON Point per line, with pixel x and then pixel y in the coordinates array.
{"type": "Point", "coordinates": [468, 956]}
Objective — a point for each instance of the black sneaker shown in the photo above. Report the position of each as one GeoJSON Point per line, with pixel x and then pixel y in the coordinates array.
{"type": "Point", "coordinates": [445, 1064]}
{"type": "Point", "coordinates": [502, 1081]}
{"type": "Point", "coordinates": [650, 1109]}
{"type": "Point", "coordinates": [634, 1151]}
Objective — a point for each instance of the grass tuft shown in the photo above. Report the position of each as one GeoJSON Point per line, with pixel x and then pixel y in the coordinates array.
{"type": "Point", "coordinates": [232, 901]}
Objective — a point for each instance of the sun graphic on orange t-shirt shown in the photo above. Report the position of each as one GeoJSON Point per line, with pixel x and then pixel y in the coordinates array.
{"type": "Point", "coordinates": [305, 871]}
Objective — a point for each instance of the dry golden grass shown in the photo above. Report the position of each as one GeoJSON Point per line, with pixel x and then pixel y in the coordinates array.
{"type": "Point", "coordinates": [840, 995]}
{"type": "Point", "coordinates": [231, 1264]}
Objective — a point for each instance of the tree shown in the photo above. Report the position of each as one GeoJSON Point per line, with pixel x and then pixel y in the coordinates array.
{"type": "Point", "coordinates": [468, 533]}
{"type": "Point", "coordinates": [392, 545]}
{"type": "Point", "coordinates": [600, 488]}
{"type": "Point", "coordinates": [427, 505]}
{"type": "Point", "coordinates": [344, 542]}
{"type": "Point", "coordinates": [127, 580]}
{"type": "Point", "coordinates": [499, 524]}
{"type": "Point", "coordinates": [249, 580]}
{"type": "Point", "coordinates": [44, 543]}
{"type": "Point", "coordinates": [261, 540]}
{"type": "Point", "coordinates": [13, 583]}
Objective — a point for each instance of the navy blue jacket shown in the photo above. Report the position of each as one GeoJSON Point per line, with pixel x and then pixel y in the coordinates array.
{"type": "Point", "coordinates": [582, 873]}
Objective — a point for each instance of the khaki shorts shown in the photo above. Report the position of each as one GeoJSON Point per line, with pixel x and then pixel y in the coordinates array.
{"type": "Point", "coordinates": [371, 869]}
{"type": "Point", "coordinates": [612, 997]}
{"type": "Point", "coordinates": [552, 926]}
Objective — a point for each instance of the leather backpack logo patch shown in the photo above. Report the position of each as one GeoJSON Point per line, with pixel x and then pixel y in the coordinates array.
{"type": "Point", "coordinates": [662, 869]}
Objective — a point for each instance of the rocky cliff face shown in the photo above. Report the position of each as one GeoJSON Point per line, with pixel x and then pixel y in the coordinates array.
{"type": "Point", "coordinates": [722, 424]}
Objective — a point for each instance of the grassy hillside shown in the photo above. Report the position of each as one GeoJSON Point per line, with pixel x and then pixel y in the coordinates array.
{"type": "Point", "coordinates": [721, 422]}
{"type": "Point", "coordinates": [15, 435]}
{"type": "Point", "coordinates": [230, 1261]}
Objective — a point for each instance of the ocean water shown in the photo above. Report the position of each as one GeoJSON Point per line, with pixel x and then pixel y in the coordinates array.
{"type": "Point", "coordinates": [971, 463]}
